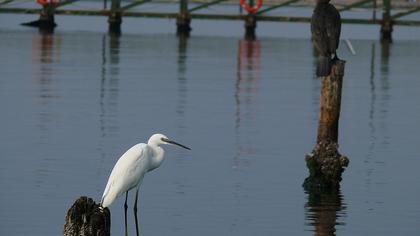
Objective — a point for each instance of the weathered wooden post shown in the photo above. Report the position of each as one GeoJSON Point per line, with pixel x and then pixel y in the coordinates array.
{"type": "Point", "coordinates": [114, 18]}
{"type": "Point", "coordinates": [183, 19]}
{"type": "Point", "coordinates": [325, 163]}
{"type": "Point", "coordinates": [86, 218]}
{"type": "Point", "coordinates": [386, 23]}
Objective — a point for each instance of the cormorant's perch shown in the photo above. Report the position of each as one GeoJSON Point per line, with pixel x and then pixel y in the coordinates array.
{"type": "Point", "coordinates": [325, 29]}
{"type": "Point", "coordinates": [325, 163]}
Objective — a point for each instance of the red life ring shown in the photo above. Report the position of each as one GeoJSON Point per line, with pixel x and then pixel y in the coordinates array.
{"type": "Point", "coordinates": [44, 2]}
{"type": "Point", "coordinates": [249, 8]}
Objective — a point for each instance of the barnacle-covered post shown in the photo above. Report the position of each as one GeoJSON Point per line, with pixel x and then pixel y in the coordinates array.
{"type": "Point", "coordinates": [87, 218]}
{"type": "Point", "coordinates": [325, 163]}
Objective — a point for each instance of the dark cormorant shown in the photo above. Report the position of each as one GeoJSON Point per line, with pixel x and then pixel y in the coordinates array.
{"type": "Point", "coordinates": [325, 29]}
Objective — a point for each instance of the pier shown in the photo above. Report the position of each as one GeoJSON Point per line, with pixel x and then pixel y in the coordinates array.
{"type": "Point", "coordinates": [390, 13]}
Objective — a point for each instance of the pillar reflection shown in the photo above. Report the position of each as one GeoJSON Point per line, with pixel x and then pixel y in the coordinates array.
{"type": "Point", "coordinates": [325, 211]}
{"type": "Point", "coordinates": [246, 93]}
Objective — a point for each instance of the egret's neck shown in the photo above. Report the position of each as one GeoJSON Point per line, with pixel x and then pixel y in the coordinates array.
{"type": "Point", "coordinates": [157, 157]}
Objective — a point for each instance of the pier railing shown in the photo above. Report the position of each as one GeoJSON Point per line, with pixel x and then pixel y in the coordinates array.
{"type": "Point", "coordinates": [390, 14]}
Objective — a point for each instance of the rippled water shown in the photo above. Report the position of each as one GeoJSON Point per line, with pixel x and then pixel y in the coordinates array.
{"type": "Point", "coordinates": [73, 101]}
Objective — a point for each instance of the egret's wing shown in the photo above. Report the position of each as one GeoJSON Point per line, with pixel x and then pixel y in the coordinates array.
{"type": "Point", "coordinates": [127, 173]}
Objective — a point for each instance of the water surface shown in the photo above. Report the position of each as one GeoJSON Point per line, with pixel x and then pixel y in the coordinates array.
{"type": "Point", "coordinates": [74, 101]}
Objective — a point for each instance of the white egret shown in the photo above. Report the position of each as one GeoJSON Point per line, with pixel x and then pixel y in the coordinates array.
{"type": "Point", "coordinates": [130, 169]}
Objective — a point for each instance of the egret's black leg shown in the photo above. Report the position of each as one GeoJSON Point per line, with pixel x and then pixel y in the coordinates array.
{"type": "Point", "coordinates": [125, 213]}
{"type": "Point", "coordinates": [135, 214]}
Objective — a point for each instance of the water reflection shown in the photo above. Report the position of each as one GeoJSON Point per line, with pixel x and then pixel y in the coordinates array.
{"type": "Point", "coordinates": [378, 112]}
{"type": "Point", "coordinates": [181, 100]}
{"type": "Point", "coordinates": [45, 54]}
{"type": "Point", "coordinates": [372, 114]}
{"type": "Point", "coordinates": [182, 81]}
{"type": "Point", "coordinates": [324, 212]}
{"type": "Point", "coordinates": [384, 86]}
{"type": "Point", "coordinates": [109, 89]}
{"type": "Point", "coordinates": [108, 95]}
{"type": "Point", "coordinates": [246, 92]}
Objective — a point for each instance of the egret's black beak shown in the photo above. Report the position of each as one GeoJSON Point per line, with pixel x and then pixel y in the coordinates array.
{"type": "Point", "coordinates": [175, 143]}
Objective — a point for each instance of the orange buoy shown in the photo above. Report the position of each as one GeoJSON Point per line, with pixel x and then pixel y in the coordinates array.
{"type": "Point", "coordinates": [249, 8]}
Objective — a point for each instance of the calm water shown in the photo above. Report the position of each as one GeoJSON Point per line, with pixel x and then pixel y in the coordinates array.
{"type": "Point", "coordinates": [72, 102]}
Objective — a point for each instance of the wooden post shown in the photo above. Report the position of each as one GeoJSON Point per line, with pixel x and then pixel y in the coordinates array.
{"type": "Point", "coordinates": [325, 163]}
{"type": "Point", "coordinates": [114, 18]}
{"type": "Point", "coordinates": [183, 19]}
{"type": "Point", "coordinates": [85, 217]}
{"type": "Point", "coordinates": [330, 103]}
{"type": "Point", "coordinates": [387, 23]}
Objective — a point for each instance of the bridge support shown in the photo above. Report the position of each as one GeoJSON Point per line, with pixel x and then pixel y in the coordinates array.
{"type": "Point", "coordinates": [250, 26]}
{"type": "Point", "coordinates": [386, 23]}
{"type": "Point", "coordinates": [183, 19]}
{"type": "Point", "coordinates": [114, 18]}
{"type": "Point", "coordinates": [46, 22]}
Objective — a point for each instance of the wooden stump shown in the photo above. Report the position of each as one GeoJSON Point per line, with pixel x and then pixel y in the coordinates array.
{"type": "Point", "coordinates": [325, 163]}
{"type": "Point", "coordinates": [86, 218]}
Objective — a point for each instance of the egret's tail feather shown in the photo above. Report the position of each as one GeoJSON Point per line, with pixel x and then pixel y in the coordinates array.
{"type": "Point", "coordinates": [324, 66]}
{"type": "Point", "coordinates": [107, 199]}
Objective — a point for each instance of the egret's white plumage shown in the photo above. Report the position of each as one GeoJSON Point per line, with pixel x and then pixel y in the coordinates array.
{"type": "Point", "coordinates": [129, 171]}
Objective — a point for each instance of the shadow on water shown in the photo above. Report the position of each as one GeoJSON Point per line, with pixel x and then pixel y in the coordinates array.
{"type": "Point", "coordinates": [246, 92]}
{"type": "Point", "coordinates": [324, 212]}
